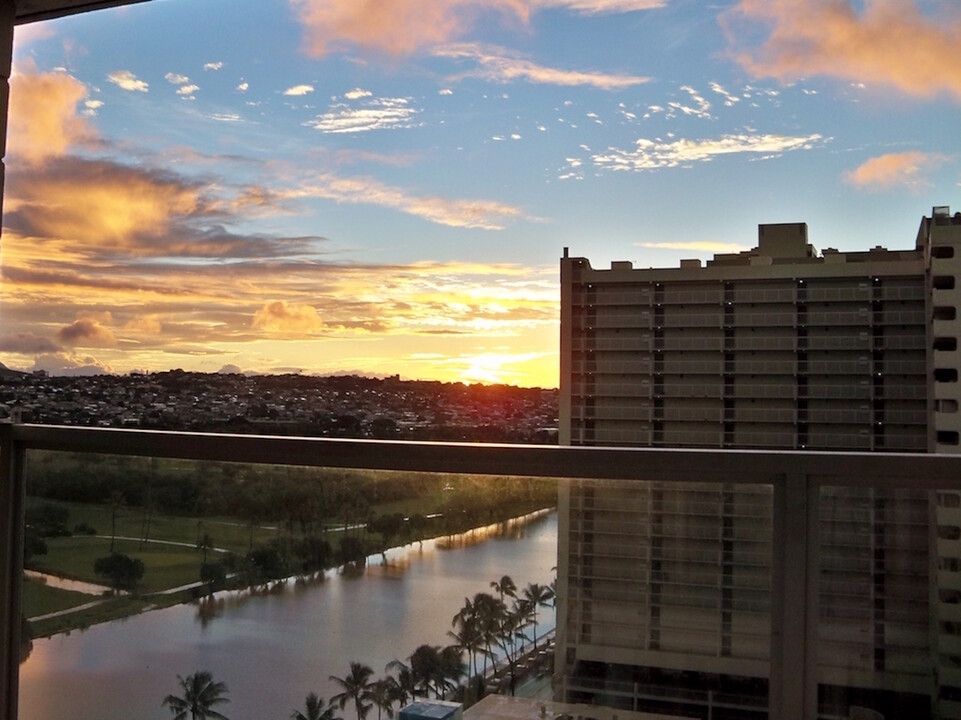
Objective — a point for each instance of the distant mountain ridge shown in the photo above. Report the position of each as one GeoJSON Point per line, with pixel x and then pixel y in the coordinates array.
{"type": "Point", "coordinates": [8, 374]}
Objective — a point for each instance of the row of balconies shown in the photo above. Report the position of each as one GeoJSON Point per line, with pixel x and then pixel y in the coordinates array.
{"type": "Point", "coordinates": [891, 442]}
{"type": "Point", "coordinates": [895, 388]}
{"type": "Point", "coordinates": [740, 507]}
{"type": "Point", "coordinates": [748, 293]}
{"type": "Point", "coordinates": [788, 414]}
{"type": "Point", "coordinates": [711, 341]}
{"type": "Point", "coordinates": [689, 318]}
{"type": "Point", "coordinates": [694, 557]}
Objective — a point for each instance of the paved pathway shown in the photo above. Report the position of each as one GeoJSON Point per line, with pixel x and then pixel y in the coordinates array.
{"type": "Point", "coordinates": [77, 608]}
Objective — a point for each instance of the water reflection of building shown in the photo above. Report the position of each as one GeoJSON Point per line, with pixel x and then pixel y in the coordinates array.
{"type": "Point", "coordinates": [666, 588]}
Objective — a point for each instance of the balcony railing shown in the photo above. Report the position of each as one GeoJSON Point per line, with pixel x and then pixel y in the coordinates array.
{"type": "Point", "coordinates": [798, 482]}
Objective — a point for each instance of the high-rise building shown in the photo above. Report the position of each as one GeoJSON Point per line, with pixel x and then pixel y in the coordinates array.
{"type": "Point", "coordinates": [667, 585]}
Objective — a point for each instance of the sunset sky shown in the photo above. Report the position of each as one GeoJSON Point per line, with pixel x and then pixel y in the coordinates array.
{"type": "Point", "coordinates": [385, 186]}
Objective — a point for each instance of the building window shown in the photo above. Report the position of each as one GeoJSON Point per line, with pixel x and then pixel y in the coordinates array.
{"type": "Point", "coordinates": [946, 375]}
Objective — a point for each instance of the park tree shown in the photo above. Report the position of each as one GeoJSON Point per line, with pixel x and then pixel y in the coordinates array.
{"type": "Point", "coordinates": [264, 563]}
{"type": "Point", "coordinates": [121, 571]}
{"type": "Point", "coordinates": [33, 544]}
{"type": "Point", "coordinates": [352, 550]}
{"type": "Point", "coordinates": [214, 575]}
{"type": "Point", "coordinates": [117, 501]}
{"type": "Point", "coordinates": [47, 519]}
{"type": "Point", "coordinates": [389, 527]}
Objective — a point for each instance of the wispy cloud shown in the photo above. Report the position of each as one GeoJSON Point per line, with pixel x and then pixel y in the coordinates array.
{"type": "Point", "coordinates": [729, 99]}
{"type": "Point", "coordinates": [905, 169]}
{"type": "Point", "coordinates": [399, 27]}
{"type": "Point", "coordinates": [213, 65]}
{"type": "Point", "coordinates": [357, 94]}
{"type": "Point", "coordinates": [243, 87]}
{"type": "Point", "coordinates": [601, 7]}
{"type": "Point", "coordinates": [701, 108]}
{"type": "Point", "coordinates": [175, 79]}
{"type": "Point", "coordinates": [126, 80]}
{"type": "Point", "coordinates": [298, 90]}
{"type": "Point", "coordinates": [481, 214]}
{"type": "Point", "coordinates": [655, 154]}
{"type": "Point", "coordinates": [887, 42]}
{"type": "Point", "coordinates": [375, 114]}
{"type": "Point", "coordinates": [701, 246]}
{"type": "Point", "coordinates": [499, 65]}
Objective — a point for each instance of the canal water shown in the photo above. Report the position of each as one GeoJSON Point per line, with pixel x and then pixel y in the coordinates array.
{"type": "Point", "coordinates": [272, 648]}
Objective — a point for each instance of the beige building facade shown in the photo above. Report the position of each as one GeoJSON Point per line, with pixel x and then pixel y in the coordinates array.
{"type": "Point", "coordinates": [665, 588]}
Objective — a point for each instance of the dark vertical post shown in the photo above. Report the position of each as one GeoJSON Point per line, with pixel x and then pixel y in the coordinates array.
{"type": "Point", "coordinates": [794, 599]}
{"type": "Point", "coordinates": [11, 568]}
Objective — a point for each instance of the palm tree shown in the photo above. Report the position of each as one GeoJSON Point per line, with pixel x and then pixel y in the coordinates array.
{"type": "Point", "coordinates": [199, 694]}
{"type": "Point", "coordinates": [424, 668]}
{"type": "Point", "coordinates": [536, 594]}
{"type": "Point", "coordinates": [355, 686]}
{"type": "Point", "coordinates": [451, 668]}
{"type": "Point", "coordinates": [489, 612]}
{"type": "Point", "coordinates": [315, 710]}
{"type": "Point", "coordinates": [381, 694]}
{"type": "Point", "coordinates": [505, 587]}
{"type": "Point", "coordinates": [402, 686]}
{"type": "Point", "coordinates": [467, 636]}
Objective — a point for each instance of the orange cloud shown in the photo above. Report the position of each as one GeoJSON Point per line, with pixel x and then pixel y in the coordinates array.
{"type": "Point", "coordinates": [283, 317]}
{"type": "Point", "coordinates": [98, 203]}
{"type": "Point", "coordinates": [894, 169]}
{"type": "Point", "coordinates": [86, 332]}
{"type": "Point", "coordinates": [43, 115]}
{"type": "Point", "coordinates": [888, 42]}
{"type": "Point", "coordinates": [397, 27]}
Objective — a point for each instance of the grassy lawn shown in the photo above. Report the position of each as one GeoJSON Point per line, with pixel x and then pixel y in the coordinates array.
{"type": "Point", "coordinates": [226, 533]}
{"type": "Point", "coordinates": [110, 609]}
{"type": "Point", "coordinates": [38, 599]}
{"type": "Point", "coordinates": [165, 566]}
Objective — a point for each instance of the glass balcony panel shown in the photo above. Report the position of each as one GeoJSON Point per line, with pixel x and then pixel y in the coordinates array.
{"type": "Point", "coordinates": [405, 552]}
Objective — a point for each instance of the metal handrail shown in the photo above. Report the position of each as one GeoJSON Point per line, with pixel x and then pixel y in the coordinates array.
{"type": "Point", "coordinates": [847, 469]}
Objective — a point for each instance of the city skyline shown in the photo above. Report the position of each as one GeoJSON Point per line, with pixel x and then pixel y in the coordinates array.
{"type": "Point", "coordinates": [325, 187]}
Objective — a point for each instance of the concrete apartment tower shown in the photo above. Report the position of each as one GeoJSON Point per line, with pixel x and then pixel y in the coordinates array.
{"type": "Point", "coordinates": [665, 589]}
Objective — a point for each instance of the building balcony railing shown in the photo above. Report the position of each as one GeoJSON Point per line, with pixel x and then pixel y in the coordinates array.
{"type": "Point", "coordinates": [697, 629]}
